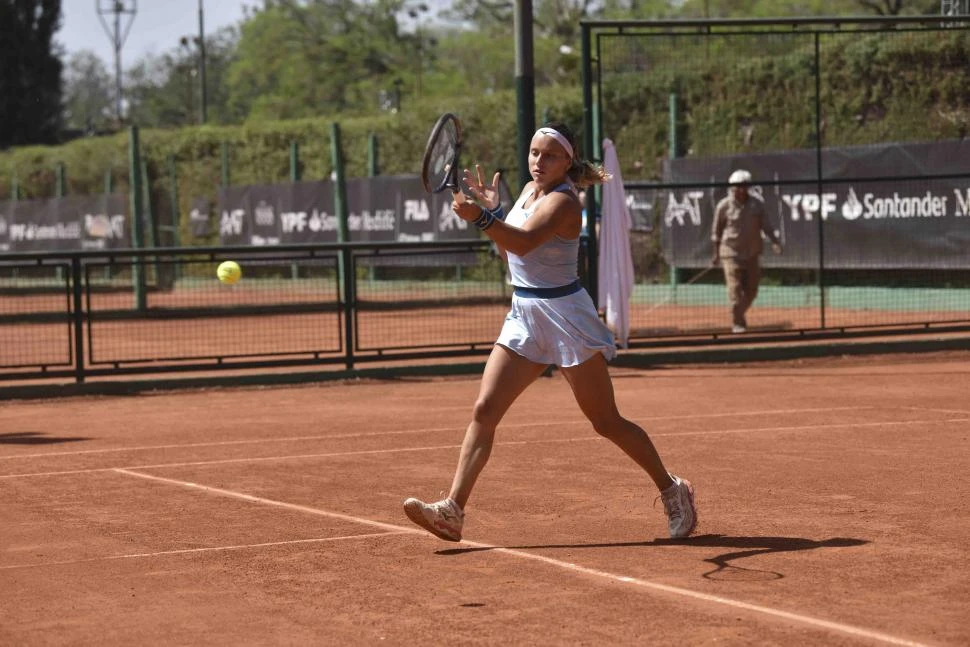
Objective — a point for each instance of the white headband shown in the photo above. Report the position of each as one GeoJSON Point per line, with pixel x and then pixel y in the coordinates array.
{"type": "Point", "coordinates": [558, 136]}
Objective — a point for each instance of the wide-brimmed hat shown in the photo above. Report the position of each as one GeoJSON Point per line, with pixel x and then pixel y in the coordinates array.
{"type": "Point", "coordinates": [740, 177]}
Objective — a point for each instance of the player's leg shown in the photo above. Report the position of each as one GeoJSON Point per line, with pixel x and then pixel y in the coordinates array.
{"type": "Point", "coordinates": [506, 376]}
{"type": "Point", "coordinates": [593, 389]}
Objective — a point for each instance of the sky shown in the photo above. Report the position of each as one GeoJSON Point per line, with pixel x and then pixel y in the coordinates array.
{"type": "Point", "coordinates": [156, 28]}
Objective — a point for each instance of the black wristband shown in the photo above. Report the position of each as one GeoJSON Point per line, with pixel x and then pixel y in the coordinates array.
{"type": "Point", "coordinates": [485, 220]}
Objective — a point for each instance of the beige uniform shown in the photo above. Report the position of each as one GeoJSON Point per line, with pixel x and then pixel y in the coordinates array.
{"type": "Point", "coordinates": [736, 235]}
{"type": "Point", "coordinates": [737, 228]}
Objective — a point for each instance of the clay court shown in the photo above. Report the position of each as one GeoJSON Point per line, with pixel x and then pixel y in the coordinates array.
{"type": "Point", "coordinates": [833, 501]}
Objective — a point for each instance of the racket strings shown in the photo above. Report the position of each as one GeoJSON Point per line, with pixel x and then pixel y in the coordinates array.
{"type": "Point", "coordinates": [442, 153]}
{"type": "Point", "coordinates": [439, 169]}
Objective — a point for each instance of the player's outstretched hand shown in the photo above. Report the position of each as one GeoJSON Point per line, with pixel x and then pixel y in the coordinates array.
{"type": "Point", "coordinates": [486, 194]}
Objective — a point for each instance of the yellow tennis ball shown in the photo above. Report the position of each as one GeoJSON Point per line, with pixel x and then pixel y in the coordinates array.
{"type": "Point", "coordinates": [229, 272]}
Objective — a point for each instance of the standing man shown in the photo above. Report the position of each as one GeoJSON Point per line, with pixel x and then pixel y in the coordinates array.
{"type": "Point", "coordinates": [739, 220]}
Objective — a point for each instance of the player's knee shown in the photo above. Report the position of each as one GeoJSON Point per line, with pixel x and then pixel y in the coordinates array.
{"type": "Point", "coordinates": [486, 413]}
{"type": "Point", "coordinates": [607, 425]}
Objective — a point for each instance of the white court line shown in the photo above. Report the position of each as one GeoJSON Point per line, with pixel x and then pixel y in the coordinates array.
{"type": "Point", "coordinates": [187, 551]}
{"type": "Point", "coordinates": [934, 410]}
{"type": "Point", "coordinates": [803, 427]}
{"type": "Point", "coordinates": [363, 452]}
{"type": "Point", "coordinates": [428, 430]}
{"type": "Point", "coordinates": [817, 623]}
{"type": "Point", "coordinates": [388, 527]}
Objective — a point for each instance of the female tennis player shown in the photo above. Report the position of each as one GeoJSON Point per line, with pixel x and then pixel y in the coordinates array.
{"type": "Point", "coordinates": [552, 321]}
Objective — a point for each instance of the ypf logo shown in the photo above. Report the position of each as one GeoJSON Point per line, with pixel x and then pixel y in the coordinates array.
{"type": "Point", "coordinates": [851, 208]}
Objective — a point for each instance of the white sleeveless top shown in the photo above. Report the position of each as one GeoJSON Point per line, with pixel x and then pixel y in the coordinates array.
{"type": "Point", "coordinates": [550, 265]}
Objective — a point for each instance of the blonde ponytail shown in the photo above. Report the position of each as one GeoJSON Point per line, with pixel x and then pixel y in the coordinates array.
{"type": "Point", "coordinates": [585, 174]}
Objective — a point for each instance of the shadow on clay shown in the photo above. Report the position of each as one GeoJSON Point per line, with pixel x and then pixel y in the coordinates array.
{"type": "Point", "coordinates": [36, 438]}
{"type": "Point", "coordinates": [725, 566]}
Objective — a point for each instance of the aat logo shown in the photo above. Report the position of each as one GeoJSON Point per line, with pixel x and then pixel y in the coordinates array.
{"type": "Point", "coordinates": [681, 211]}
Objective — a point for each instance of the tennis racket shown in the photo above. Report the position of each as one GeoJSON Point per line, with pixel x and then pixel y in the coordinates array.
{"type": "Point", "coordinates": [439, 170]}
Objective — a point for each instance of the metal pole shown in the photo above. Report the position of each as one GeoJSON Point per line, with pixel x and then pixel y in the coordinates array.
{"type": "Point", "coordinates": [137, 230]}
{"type": "Point", "coordinates": [373, 166]}
{"type": "Point", "coordinates": [592, 257]}
{"type": "Point", "coordinates": [345, 263]}
{"type": "Point", "coordinates": [225, 163]}
{"type": "Point", "coordinates": [818, 175]}
{"type": "Point", "coordinates": [173, 190]}
{"type": "Point", "coordinates": [78, 318]}
{"type": "Point", "coordinates": [339, 185]}
{"type": "Point", "coordinates": [202, 64]}
{"type": "Point", "coordinates": [61, 184]}
{"type": "Point", "coordinates": [673, 147]}
{"type": "Point", "coordinates": [524, 86]}
{"type": "Point", "coordinates": [294, 162]}
{"type": "Point", "coordinates": [118, 85]}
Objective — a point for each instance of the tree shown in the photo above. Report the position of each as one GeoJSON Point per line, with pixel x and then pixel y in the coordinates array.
{"type": "Point", "coordinates": [297, 59]}
{"type": "Point", "coordinates": [88, 93]}
{"type": "Point", "coordinates": [900, 7]}
{"type": "Point", "coordinates": [165, 90]}
{"type": "Point", "coordinates": [786, 8]}
{"type": "Point", "coordinates": [557, 19]}
{"type": "Point", "coordinates": [30, 72]}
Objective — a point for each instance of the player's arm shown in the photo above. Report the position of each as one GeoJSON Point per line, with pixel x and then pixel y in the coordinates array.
{"type": "Point", "coordinates": [558, 214]}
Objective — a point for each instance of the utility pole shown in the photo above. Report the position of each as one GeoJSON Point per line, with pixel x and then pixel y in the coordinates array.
{"type": "Point", "coordinates": [202, 83]}
{"type": "Point", "coordinates": [120, 11]}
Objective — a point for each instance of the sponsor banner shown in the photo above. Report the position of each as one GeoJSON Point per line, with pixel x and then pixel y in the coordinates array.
{"type": "Point", "coordinates": [642, 204]}
{"type": "Point", "coordinates": [65, 224]}
{"type": "Point", "coordinates": [380, 209]}
{"type": "Point", "coordinates": [918, 224]}
{"type": "Point", "coordinates": [199, 216]}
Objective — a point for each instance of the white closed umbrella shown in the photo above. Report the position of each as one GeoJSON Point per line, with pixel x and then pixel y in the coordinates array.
{"type": "Point", "coordinates": [615, 258]}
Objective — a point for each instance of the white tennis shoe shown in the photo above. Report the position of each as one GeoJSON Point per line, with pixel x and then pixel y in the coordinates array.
{"type": "Point", "coordinates": [678, 502]}
{"type": "Point", "coordinates": [443, 518]}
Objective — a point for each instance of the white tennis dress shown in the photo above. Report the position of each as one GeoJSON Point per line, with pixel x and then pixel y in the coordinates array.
{"type": "Point", "coordinates": [561, 330]}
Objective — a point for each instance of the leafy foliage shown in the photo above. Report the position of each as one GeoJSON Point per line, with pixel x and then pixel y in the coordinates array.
{"type": "Point", "coordinates": [165, 90]}
{"type": "Point", "coordinates": [88, 92]}
{"type": "Point", "coordinates": [30, 72]}
{"type": "Point", "coordinates": [298, 60]}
